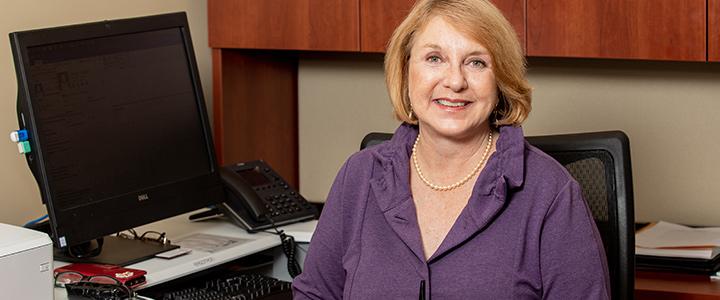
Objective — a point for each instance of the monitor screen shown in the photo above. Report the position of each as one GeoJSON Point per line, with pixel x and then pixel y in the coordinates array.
{"type": "Point", "coordinates": [118, 127]}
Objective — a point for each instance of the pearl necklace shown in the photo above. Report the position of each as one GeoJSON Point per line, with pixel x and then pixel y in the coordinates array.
{"type": "Point", "coordinates": [454, 185]}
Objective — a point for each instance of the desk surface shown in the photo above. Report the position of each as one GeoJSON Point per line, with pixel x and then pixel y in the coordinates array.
{"type": "Point", "coordinates": [659, 285]}
{"type": "Point", "coordinates": [164, 270]}
{"type": "Point", "coordinates": [648, 285]}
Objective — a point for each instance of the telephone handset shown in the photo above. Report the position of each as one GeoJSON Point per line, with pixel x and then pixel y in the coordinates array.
{"type": "Point", "coordinates": [254, 192]}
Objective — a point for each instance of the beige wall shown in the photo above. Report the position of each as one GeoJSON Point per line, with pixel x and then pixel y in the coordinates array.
{"type": "Point", "coordinates": [669, 111]}
{"type": "Point", "coordinates": [19, 197]}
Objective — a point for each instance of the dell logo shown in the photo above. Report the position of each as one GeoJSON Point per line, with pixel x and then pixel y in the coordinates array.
{"type": "Point", "coordinates": [143, 197]}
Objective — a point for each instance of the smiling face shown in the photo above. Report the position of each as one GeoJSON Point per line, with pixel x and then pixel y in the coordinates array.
{"type": "Point", "coordinates": [451, 83]}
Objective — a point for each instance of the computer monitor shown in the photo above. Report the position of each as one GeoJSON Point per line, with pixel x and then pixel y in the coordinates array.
{"type": "Point", "coordinates": [118, 129]}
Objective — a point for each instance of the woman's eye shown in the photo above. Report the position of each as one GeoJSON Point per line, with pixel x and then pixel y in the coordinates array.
{"type": "Point", "coordinates": [433, 59]}
{"type": "Point", "coordinates": [478, 63]}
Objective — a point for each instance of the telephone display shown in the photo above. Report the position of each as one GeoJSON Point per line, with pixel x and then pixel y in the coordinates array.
{"type": "Point", "coordinates": [255, 194]}
{"type": "Point", "coordinates": [254, 177]}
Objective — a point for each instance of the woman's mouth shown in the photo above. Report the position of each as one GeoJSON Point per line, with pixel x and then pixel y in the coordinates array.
{"type": "Point", "coordinates": [452, 103]}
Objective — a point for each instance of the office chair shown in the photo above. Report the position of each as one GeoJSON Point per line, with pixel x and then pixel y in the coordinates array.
{"type": "Point", "coordinates": [600, 162]}
{"type": "Point", "coordinates": [374, 138]}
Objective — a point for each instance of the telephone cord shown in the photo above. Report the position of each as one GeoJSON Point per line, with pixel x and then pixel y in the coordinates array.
{"type": "Point", "coordinates": [289, 248]}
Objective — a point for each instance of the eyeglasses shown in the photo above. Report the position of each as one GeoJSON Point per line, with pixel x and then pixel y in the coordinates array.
{"type": "Point", "coordinates": [153, 236]}
{"type": "Point", "coordinates": [91, 290]}
{"type": "Point", "coordinates": [67, 277]}
{"type": "Point", "coordinates": [102, 286]}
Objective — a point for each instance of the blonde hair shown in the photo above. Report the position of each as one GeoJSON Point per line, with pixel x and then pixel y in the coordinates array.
{"type": "Point", "coordinates": [480, 20]}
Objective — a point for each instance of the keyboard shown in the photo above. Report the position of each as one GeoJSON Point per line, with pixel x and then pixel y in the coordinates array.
{"type": "Point", "coordinates": [235, 287]}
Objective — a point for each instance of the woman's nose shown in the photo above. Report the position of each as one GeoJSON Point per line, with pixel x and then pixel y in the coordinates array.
{"type": "Point", "coordinates": [455, 79]}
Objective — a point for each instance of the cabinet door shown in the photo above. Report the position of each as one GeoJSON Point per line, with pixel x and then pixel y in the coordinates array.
{"type": "Point", "coordinates": [633, 29]}
{"type": "Point", "coordinates": [714, 30]}
{"type": "Point", "coordinates": [380, 17]}
{"type": "Point", "coordinates": [284, 24]}
{"type": "Point", "coordinates": [514, 11]}
{"type": "Point", "coordinates": [379, 20]}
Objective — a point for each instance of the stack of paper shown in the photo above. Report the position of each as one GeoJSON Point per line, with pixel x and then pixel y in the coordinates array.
{"type": "Point", "coordinates": [673, 240]}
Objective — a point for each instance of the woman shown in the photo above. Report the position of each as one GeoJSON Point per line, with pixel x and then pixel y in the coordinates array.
{"type": "Point", "coordinates": [457, 205]}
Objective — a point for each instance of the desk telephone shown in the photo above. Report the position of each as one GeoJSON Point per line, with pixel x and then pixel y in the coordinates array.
{"type": "Point", "coordinates": [255, 192]}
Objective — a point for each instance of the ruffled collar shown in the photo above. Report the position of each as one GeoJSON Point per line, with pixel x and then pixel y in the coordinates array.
{"type": "Point", "coordinates": [390, 184]}
{"type": "Point", "coordinates": [503, 171]}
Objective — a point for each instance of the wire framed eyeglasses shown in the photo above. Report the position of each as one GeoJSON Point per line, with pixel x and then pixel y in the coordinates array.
{"type": "Point", "coordinates": [152, 236]}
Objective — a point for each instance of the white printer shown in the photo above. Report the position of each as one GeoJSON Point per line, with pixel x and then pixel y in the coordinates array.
{"type": "Point", "coordinates": [26, 264]}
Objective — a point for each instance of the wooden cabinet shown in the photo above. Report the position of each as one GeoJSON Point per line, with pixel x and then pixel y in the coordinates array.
{"type": "Point", "coordinates": [255, 91]}
{"type": "Point", "coordinates": [514, 11]}
{"type": "Point", "coordinates": [255, 109]}
{"type": "Point", "coordinates": [380, 17]}
{"type": "Point", "coordinates": [714, 30]}
{"type": "Point", "coordinates": [284, 24]}
{"type": "Point", "coordinates": [626, 29]}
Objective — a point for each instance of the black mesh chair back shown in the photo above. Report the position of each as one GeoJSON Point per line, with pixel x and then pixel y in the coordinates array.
{"type": "Point", "coordinates": [374, 138]}
{"type": "Point", "coordinates": [600, 162]}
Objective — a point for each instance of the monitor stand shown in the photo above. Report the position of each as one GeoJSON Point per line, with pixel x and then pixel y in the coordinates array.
{"type": "Point", "coordinates": [118, 251]}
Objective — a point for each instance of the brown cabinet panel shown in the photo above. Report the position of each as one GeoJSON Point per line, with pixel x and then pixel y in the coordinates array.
{"type": "Point", "coordinates": [631, 29]}
{"type": "Point", "coordinates": [379, 18]}
{"type": "Point", "coordinates": [255, 109]}
{"type": "Point", "coordinates": [514, 11]}
{"type": "Point", "coordinates": [284, 24]}
{"type": "Point", "coordinates": [714, 30]}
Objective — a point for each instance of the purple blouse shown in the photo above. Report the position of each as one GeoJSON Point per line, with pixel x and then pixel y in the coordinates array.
{"type": "Point", "coordinates": [526, 232]}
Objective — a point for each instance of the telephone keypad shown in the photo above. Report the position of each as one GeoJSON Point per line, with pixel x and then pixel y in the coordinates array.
{"type": "Point", "coordinates": [281, 202]}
